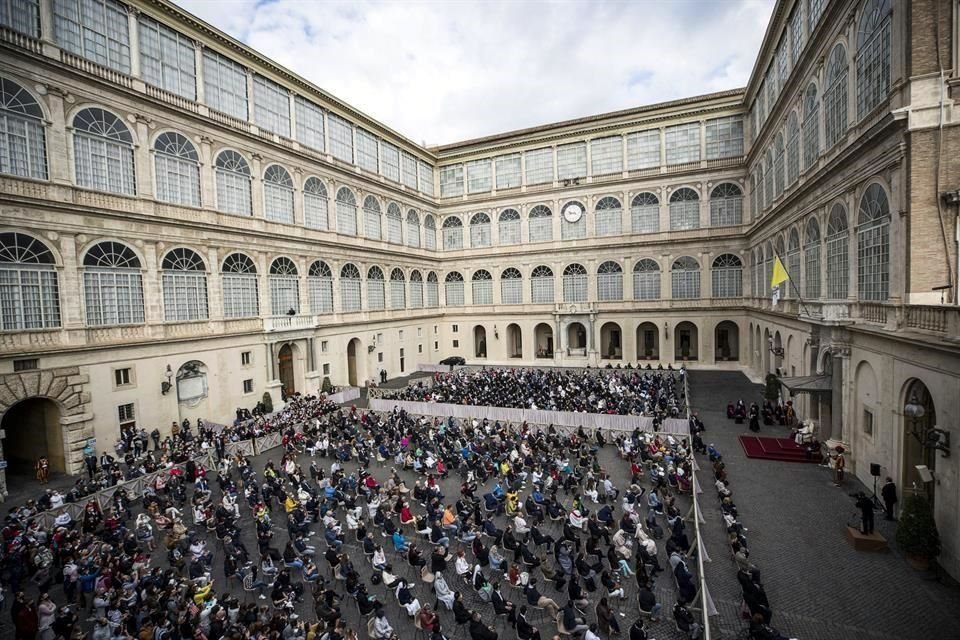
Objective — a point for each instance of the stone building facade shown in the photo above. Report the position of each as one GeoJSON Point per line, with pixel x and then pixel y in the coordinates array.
{"type": "Point", "coordinates": [185, 226]}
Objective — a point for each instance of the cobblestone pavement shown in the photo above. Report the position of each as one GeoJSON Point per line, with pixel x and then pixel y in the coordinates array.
{"type": "Point", "coordinates": [819, 587]}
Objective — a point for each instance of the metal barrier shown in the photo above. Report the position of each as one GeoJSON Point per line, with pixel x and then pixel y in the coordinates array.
{"type": "Point", "coordinates": [707, 606]}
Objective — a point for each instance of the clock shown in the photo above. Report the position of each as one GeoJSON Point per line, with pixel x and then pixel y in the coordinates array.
{"type": "Point", "coordinates": [572, 213]}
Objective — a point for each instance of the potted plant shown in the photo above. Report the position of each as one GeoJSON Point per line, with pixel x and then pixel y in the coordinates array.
{"type": "Point", "coordinates": [917, 533]}
{"type": "Point", "coordinates": [772, 390]}
{"type": "Point", "coordinates": [267, 402]}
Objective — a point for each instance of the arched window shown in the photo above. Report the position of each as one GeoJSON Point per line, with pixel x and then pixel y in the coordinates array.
{"type": "Point", "coordinates": [284, 287]}
{"type": "Point", "coordinates": [416, 289]}
{"type": "Point", "coordinates": [793, 261]}
{"type": "Point", "coordinates": [768, 192]}
{"type": "Point", "coordinates": [346, 212]}
{"type": "Point", "coordinates": [112, 285]}
{"type": "Point", "coordinates": [685, 278]}
{"type": "Point", "coordinates": [811, 126]}
{"type": "Point", "coordinates": [726, 205]}
{"type": "Point", "coordinates": [233, 184]}
{"type": "Point", "coordinates": [398, 289]}
{"type": "Point", "coordinates": [509, 227]}
{"type": "Point", "coordinates": [371, 218]}
{"type": "Point", "coordinates": [482, 287]}
{"type": "Point", "coordinates": [320, 286]}
{"type": "Point", "coordinates": [511, 286]}
{"type": "Point", "coordinates": [646, 280]}
{"type": "Point", "coordinates": [873, 56]}
{"type": "Point", "coordinates": [241, 297]}
{"type": "Point", "coordinates": [394, 224]}
{"type": "Point", "coordinates": [835, 96]}
{"type": "Point", "coordinates": [429, 232]}
{"type": "Point", "coordinates": [480, 230]}
{"type": "Point", "coordinates": [541, 285]}
{"type": "Point", "coordinates": [29, 292]}
{"type": "Point", "coordinates": [433, 290]}
{"type": "Point", "coordinates": [608, 217]}
{"type": "Point", "coordinates": [315, 212]}
{"type": "Point", "coordinates": [793, 148]}
{"type": "Point", "coordinates": [811, 260]}
{"type": "Point", "coordinates": [349, 288]}
{"type": "Point", "coordinates": [452, 233]}
{"type": "Point", "coordinates": [575, 283]}
{"type": "Point", "coordinates": [413, 229]}
{"type": "Point", "coordinates": [540, 224]}
{"type": "Point", "coordinates": [277, 194]}
{"type": "Point", "coordinates": [103, 152]}
{"type": "Point", "coordinates": [609, 281]}
{"type": "Point", "coordinates": [727, 276]}
{"type": "Point", "coordinates": [684, 209]}
{"type": "Point", "coordinates": [23, 148]}
{"type": "Point", "coordinates": [375, 289]}
{"type": "Point", "coordinates": [645, 213]}
{"type": "Point", "coordinates": [177, 169]}
{"type": "Point", "coordinates": [573, 221]}
{"type": "Point", "coordinates": [453, 289]}
{"type": "Point", "coordinates": [778, 164]}
{"type": "Point", "coordinates": [184, 286]}
{"type": "Point", "coordinates": [838, 259]}
{"type": "Point", "coordinates": [873, 245]}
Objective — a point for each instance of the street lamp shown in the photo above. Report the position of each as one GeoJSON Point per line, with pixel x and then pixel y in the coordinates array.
{"type": "Point", "coordinates": [933, 438]}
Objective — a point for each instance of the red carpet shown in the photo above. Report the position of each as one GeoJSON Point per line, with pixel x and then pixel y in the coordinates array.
{"type": "Point", "coordinates": [783, 449]}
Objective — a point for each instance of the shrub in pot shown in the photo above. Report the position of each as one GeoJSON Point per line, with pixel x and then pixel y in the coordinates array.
{"type": "Point", "coordinates": [917, 533]}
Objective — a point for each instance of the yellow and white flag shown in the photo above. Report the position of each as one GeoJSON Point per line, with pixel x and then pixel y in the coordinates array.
{"type": "Point", "coordinates": [780, 274]}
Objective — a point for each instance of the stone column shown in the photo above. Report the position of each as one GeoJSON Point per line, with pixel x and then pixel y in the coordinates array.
{"type": "Point", "coordinates": [59, 144]}
{"type": "Point", "coordinates": [152, 282]}
{"type": "Point", "coordinates": [298, 214]}
{"type": "Point", "coordinates": [144, 158]}
{"type": "Point", "coordinates": [198, 70]}
{"type": "Point", "coordinates": [71, 312]}
{"type": "Point", "coordinates": [133, 14]}
{"type": "Point", "coordinates": [214, 285]}
{"type": "Point", "coordinates": [207, 174]}
{"type": "Point", "coordinates": [263, 285]}
{"type": "Point", "coordinates": [256, 187]}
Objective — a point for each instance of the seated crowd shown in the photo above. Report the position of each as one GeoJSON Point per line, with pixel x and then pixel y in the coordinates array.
{"type": "Point", "coordinates": [620, 391]}
{"type": "Point", "coordinates": [539, 533]}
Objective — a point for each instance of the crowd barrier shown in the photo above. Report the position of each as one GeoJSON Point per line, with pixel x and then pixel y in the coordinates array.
{"type": "Point", "coordinates": [608, 422]}
{"type": "Point", "coordinates": [135, 488]}
{"type": "Point", "coordinates": [347, 394]}
{"type": "Point", "coordinates": [707, 606]}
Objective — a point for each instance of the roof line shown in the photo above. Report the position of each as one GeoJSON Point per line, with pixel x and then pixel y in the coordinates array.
{"type": "Point", "coordinates": [589, 119]}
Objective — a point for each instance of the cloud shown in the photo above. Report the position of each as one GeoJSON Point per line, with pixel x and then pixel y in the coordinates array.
{"type": "Point", "coordinates": [447, 70]}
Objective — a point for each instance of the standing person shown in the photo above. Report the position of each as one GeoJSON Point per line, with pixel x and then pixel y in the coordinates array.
{"type": "Point", "coordinates": [24, 614]}
{"type": "Point", "coordinates": [889, 494]}
{"type": "Point", "coordinates": [43, 470]}
{"type": "Point", "coordinates": [839, 465]}
{"type": "Point", "coordinates": [865, 505]}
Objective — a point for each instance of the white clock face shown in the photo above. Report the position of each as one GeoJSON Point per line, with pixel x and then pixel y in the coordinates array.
{"type": "Point", "coordinates": [572, 213]}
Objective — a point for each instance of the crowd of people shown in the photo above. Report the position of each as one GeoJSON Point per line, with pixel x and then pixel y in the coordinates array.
{"type": "Point", "coordinates": [618, 391]}
{"type": "Point", "coordinates": [538, 516]}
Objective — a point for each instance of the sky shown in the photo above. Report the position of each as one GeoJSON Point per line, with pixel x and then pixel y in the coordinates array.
{"type": "Point", "coordinates": [444, 71]}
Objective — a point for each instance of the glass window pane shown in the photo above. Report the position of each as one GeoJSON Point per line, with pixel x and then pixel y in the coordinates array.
{"type": "Point", "coordinates": [224, 85]}
{"type": "Point", "coordinates": [271, 106]}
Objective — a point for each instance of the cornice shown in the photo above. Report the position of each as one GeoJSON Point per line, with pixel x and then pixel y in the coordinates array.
{"type": "Point", "coordinates": [594, 124]}
{"type": "Point", "coordinates": [184, 17]}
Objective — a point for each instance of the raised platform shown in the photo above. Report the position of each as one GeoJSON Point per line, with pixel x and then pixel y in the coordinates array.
{"type": "Point", "coordinates": [782, 449]}
{"type": "Point", "coordinates": [873, 543]}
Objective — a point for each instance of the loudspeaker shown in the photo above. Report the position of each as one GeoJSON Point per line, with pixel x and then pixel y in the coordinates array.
{"type": "Point", "coordinates": [875, 469]}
